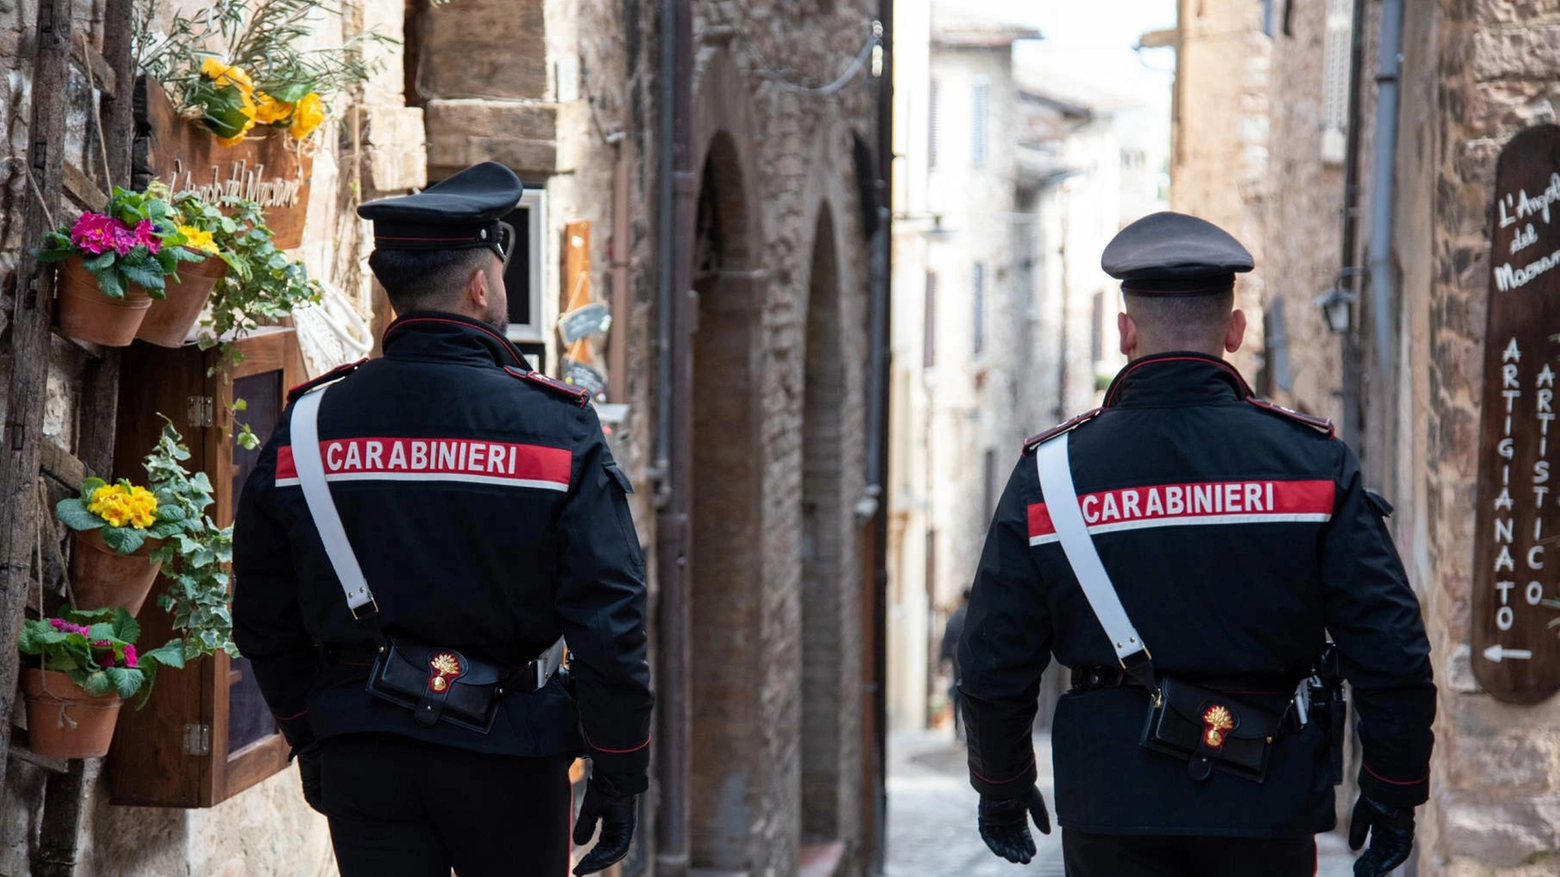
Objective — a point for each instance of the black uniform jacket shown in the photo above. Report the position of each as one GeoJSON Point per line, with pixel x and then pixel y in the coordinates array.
{"type": "Point", "coordinates": [488, 516]}
{"type": "Point", "coordinates": [1238, 536]}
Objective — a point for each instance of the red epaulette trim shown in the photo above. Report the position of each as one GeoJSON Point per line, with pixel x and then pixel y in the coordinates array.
{"type": "Point", "coordinates": [579, 396]}
{"type": "Point", "coordinates": [1035, 441]}
{"type": "Point", "coordinates": [336, 373]}
{"type": "Point", "coordinates": [1320, 424]}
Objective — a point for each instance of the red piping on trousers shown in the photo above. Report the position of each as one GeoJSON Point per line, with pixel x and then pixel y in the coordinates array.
{"type": "Point", "coordinates": [617, 751]}
{"type": "Point", "coordinates": [306, 712]}
{"type": "Point", "coordinates": [1009, 779]}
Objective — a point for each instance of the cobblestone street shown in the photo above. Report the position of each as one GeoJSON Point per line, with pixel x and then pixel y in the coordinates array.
{"type": "Point", "coordinates": [931, 816]}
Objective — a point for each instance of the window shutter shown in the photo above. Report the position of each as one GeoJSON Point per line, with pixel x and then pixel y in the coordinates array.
{"type": "Point", "coordinates": [1335, 79]}
{"type": "Point", "coordinates": [979, 108]}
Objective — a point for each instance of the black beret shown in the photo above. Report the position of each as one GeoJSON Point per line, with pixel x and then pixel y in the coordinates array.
{"type": "Point", "coordinates": [459, 213]}
{"type": "Point", "coordinates": [1174, 254]}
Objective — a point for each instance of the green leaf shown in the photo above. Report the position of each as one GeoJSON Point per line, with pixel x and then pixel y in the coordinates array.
{"type": "Point", "coordinates": [291, 92]}
{"type": "Point", "coordinates": [124, 540]}
{"type": "Point", "coordinates": [125, 626]}
{"type": "Point", "coordinates": [100, 631]}
{"type": "Point", "coordinates": [90, 486]}
{"type": "Point", "coordinates": [100, 263]}
{"type": "Point", "coordinates": [97, 683]}
{"type": "Point", "coordinates": [169, 654]}
{"type": "Point", "coordinates": [111, 284]}
{"type": "Point", "coordinates": [73, 514]}
{"type": "Point", "coordinates": [148, 274]}
{"type": "Point", "coordinates": [126, 680]}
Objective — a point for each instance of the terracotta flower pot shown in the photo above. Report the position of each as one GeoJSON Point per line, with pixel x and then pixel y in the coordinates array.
{"type": "Point", "coordinates": [169, 321]}
{"type": "Point", "coordinates": [87, 314]}
{"type": "Point", "coordinates": [102, 578]}
{"type": "Point", "coordinates": [64, 721]}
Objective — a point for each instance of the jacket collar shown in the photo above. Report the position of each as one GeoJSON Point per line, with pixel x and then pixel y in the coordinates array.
{"type": "Point", "coordinates": [445, 337]}
{"type": "Point", "coordinates": [1174, 379]}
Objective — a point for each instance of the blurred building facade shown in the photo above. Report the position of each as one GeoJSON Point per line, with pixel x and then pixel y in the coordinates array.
{"type": "Point", "coordinates": [1405, 377]}
{"type": "Point", "coordinates": [711, 172]}
{"type": "Point", "coordinates": [1010, 177]}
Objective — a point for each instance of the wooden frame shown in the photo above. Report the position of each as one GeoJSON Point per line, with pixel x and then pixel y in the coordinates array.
{"type": "Point", "coordinates": [174, 752]}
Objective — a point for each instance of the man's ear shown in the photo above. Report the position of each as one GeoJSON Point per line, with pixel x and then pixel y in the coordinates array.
{"type": "Point", "coordinates": [1129, 334]}
{"type": "Point", "coordinates": [477, 291]}
{"type": "Point", "coordinates": [1235, 335]}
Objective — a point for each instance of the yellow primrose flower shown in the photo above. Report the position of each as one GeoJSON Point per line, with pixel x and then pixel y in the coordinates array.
{"type": "Point", "coordinates": [269, 111]}
{"type": "Point", "coordinates": [196, 239]}
{"type": "Point", "coordinates": [307, 116]}
{"type": "Point", "coordinates": [119, 506]}
{"type": "Point", "coordinates": [223, 73]}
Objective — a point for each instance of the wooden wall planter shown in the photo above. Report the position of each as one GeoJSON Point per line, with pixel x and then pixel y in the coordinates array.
{"type": "Point", "coordinates": [268, 167]}
{"type": "Point", "coordinates": [205, 735]}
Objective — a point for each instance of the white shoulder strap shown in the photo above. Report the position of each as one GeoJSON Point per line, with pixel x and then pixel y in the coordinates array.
{"type": "Point", "coordinates": [1061, 500]}
{"type": "Point", "coordinates": [304, 428]}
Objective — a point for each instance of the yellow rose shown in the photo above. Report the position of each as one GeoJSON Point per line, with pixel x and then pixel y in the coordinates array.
{"type": "Point", "coordinates": [307, 115]}
{"type": "Point", "coordinates": [223, 73]}
{"type": "Point", "coordinates": [269, 111]}
{"type": "Point", "coordinates": [196, 239]}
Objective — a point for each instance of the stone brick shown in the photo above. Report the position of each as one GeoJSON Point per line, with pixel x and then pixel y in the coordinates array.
{"type": "Point", "coordinates": [493, 49]}
{"type": "Point", "coordinates": [397, 153]}
{"type": "Point", "coordinates": [1503, 833]}
{"type": "Point", "coordinates": [1519, 763]}
{"type": "Point", "coordinates": [1527, 52]}
{"type": "Point", "coordinates": [1513, 11]}
{"type": "Point", "coordinates": [465, 132]}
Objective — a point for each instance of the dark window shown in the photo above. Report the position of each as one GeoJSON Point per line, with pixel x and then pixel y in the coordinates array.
{"type": "Point", "coordinates": [978, 298]}
{"type": "Point", "coordinates": [929, 320]}
{"type": "Point", "coordinates": [989, 483]}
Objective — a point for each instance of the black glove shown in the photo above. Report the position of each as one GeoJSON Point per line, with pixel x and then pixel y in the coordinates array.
{"type": "Point", "coordinates": [1391, 831]}
{"type": "Point", "coordinates": [309, 770]}
{"type": "Point", "coordinates": [617, 815]}
{"type": "Point", "coordinates": [1004, 824]}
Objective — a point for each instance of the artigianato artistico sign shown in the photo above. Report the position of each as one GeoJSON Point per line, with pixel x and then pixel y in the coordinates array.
{"type": "Point", "coordinates": [1516, 654]}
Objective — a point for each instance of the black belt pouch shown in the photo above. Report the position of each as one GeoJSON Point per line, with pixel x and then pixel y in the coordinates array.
{"type": "Point", "coordinates": [1209, 730]}
{"type": "Point", "coordinates": [437, 684]}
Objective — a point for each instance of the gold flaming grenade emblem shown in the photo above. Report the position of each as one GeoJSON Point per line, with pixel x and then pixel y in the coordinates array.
{"type": "Point", "coordinates": [1218, 720]}
{"type": "Point", "coordinates": [445, 666]}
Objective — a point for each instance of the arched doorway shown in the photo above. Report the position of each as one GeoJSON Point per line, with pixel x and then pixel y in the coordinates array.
{"type": "Point", "coordinates": [823, 544]}
{"type": "Point", "coordinates": [725, 572]}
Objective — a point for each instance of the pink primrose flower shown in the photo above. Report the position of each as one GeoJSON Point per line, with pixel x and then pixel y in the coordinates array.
{"type": "Point", "coordinates": [131, 659]}
{"type": "Point", "coordinates": [96, 233]}
{"type": "Point", "coordinates": [147, 235]}
{"type": "Point", "coordinates": [57, 623]}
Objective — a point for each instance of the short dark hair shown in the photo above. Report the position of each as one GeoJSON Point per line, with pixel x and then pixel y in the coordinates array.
{"type": "Point", "coordinates": [421, 280]}
{"type": "Point", "coordinates": [1182, 322]}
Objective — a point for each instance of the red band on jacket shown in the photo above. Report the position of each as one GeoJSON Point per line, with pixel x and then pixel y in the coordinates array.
{"type": "Point", "coordinates": [435, 459]}
{"type": "Point", "coordinates": [1018, 776]}
{"type": "Point", "coordinates": [1394, 782]}
{"type": "Point", "coordinates": [1212, 502]}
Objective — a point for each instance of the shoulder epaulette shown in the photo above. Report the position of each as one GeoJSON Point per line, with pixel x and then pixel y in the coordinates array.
{"type": "Point", "coordinates": [1036, 440]}
{"type": "Point", "coordinates": [573, 393]}
{"type": "Point", "coordinates": [1320, 424]}
{"type": "Point", "coordinates": [334, 374]}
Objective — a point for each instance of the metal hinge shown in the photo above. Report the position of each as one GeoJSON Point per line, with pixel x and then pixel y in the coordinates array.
{"type": "Point", "coordinates": [197, 739]}
{"type": "Point", "coordinates": [202, 411]}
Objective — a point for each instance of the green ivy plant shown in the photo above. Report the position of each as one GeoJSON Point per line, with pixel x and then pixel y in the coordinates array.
{"type": "Point", "coordinates": [264, 285]}
{"type": "Point", "coordinates": [195, 559]}
{"type": "Point", "coordinates": [96, 649]}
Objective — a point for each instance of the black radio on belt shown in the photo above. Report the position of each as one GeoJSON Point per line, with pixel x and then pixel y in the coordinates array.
{"type": "Point", "coordinates": [440, 684]}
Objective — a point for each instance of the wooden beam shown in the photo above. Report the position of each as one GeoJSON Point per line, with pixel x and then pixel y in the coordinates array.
{"type": "Point", "coordinates": [58, 845]}
{"type": "Point", "coordinates": [31, 317]}
{"type": "Point", "coordinates": [98, 68]}
{"type": "Point", "coordinates": [62, 464]}
{"type": "Point", "coordinates": [83, 189]}
{"type": "Point", "coordinates": [118, 105]}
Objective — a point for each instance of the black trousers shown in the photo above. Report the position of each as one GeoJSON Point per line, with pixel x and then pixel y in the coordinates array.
{"type": "Point", "coordinates": [400, 808]}
{"type": "Point", "coordinates": [1133, 855]}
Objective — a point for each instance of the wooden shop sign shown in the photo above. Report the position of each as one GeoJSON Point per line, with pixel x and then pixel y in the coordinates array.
{"type": "Point", "coordinates": [268, 167]}
{"type": "Point", "coordinates": [1516, 653]}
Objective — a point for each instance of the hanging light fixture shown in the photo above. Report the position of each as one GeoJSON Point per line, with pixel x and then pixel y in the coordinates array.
{"type": "Point", "coordinates": [1337, 306]}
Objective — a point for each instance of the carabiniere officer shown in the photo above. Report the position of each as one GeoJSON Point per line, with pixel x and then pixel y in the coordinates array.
{"type": "Point", "coordinates": [490, 520]}
{"type": "Point", "coordinates": [1240, 539]}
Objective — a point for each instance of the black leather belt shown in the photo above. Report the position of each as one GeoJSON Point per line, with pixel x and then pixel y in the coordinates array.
{"type": "Point", "coordinates": [522, 679]}
{"type": "Point", "coordinates": [1094, 678]}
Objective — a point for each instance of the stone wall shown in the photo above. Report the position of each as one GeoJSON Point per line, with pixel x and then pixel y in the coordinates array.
{"type": "Point", "coordinates": [1219, 153]}
{"type": "Point", "coordinates": [1496, 789]}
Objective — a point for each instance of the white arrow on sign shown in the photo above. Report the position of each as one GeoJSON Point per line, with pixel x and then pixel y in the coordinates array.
{"type": "Point", "coordinates": [1500, 653]}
